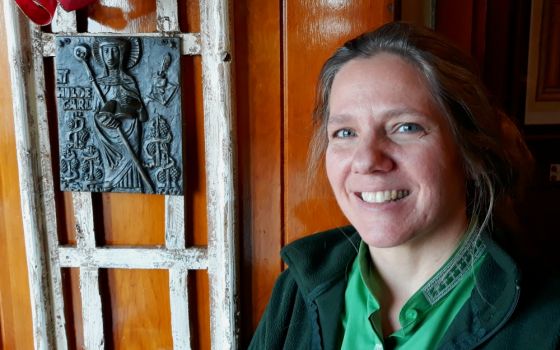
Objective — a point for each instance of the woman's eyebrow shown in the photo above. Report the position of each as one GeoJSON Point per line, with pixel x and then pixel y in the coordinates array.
{"type": "Point", "coordinates": [403, 111]}
{"type": "Point", "coordinates": [338, 118]}
{"type": "Point", "coordinates": [343, 118]}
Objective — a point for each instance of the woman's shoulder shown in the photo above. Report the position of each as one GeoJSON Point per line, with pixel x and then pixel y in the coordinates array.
{"type": "Point", "coordinates": [535, 321]}
{"type": "Point", "coordinates": [315, 263]}
{"type": "Point", "coordinates": [321, 257]}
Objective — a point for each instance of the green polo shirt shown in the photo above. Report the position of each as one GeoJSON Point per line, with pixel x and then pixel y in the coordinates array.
{"type": "Point", "coordinates": [425, 317]}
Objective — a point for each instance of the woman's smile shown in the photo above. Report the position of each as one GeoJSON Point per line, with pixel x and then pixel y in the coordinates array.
{"type": "Point", "coordinates": [383, 196]}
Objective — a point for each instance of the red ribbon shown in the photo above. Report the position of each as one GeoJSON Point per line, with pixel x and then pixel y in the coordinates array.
{"type": "Point", "coordinates": [73, 5]}
{"type": "Point", "coordinates": [42, 11]}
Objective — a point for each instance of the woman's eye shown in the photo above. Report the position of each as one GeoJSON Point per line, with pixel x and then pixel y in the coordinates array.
{"type": "Point", "coordinates": [409, 128]}
{"type": "Point", "coordinates": [344, 133]}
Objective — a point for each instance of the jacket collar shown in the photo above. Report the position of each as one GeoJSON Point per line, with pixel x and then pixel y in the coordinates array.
{"type": "Point", "coordinates": [316, 261]}
{"type": "Point", "coordinates": [320, 264]}
{"type": "Point", "coordinates": [492, 303]}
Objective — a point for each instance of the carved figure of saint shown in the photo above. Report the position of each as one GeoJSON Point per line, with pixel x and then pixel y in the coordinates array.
{"type": "Point", "coordinates": [119, 110]}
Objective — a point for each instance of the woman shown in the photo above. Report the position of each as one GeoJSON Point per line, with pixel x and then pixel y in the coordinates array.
{"type": "Point", "coordinates": [418, 159]}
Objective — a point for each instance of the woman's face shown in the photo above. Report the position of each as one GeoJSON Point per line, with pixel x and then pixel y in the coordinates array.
{"type": "Point", "coordinates": [391, 159]}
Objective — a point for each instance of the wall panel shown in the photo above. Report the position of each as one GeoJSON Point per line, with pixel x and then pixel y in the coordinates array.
{"type": "Point", "coordinates": [312, 31]}
{"type": "Point", "coordinates": [257, 61]}
{"type": "Point", "coordinates": [454, 19]}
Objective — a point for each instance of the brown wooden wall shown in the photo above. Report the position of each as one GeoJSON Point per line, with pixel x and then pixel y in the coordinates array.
{"type": "Point", "coordinates": [279, 48]}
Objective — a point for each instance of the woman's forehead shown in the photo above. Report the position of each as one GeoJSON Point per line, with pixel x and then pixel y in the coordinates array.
{"type": "Point", "coordinates": [382, 81]}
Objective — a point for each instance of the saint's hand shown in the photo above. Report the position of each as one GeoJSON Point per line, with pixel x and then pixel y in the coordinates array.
{"type": "Point", "coordinates": [108, 120]}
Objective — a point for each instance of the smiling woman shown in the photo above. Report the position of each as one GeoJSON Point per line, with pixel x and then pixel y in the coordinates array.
{"type": "Point", "coordinates": [418, 160]}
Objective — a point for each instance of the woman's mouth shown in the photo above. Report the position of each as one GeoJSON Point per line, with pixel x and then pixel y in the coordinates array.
{"type": "Point", "coordinates": [383, 196]}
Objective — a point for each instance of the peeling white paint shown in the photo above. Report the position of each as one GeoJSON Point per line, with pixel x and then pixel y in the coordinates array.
{"type": "Point", "coordinates": [47, 191]}
{"type": "Point", "coordinates": [179, 298]}
{"type": "Point", "coordinates": [220, 181]}
{"type": "Point", "coordinates": [193, 258]}
{"type": "Point", "coordinates": [35, 176]}
{"type": "Point", "coordinates": [174, 222]}
{"type": "Point", "coordinates": [167, 20]}
{"type": "Point", "coordinates": [83, 215]}
{"type": "Point", "coordinates": [190, 42]}
{"type": "Point", "coordinates": [91, 309]}
{"type": "Point", "coordinates": [92, 313]}
{"type": "Point", "coordinates": [63, 22]}
{"type": "Point", "coordinates": [178, 292]}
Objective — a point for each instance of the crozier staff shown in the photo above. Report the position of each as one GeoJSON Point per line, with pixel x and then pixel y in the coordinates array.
{"type": "Point", "coordinates": [418, 160]}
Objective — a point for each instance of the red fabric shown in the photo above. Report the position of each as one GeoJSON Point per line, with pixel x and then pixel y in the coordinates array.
{"type": "Point", "coordinates": [39, 11]}
{"type": "Point", "coordinates": [42, 11]}
{"type": "Point", "coordinates": [72, 5]}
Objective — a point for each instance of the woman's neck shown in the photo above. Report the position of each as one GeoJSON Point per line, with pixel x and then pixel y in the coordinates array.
{"type": "Point", "coordinates": [404, 269]}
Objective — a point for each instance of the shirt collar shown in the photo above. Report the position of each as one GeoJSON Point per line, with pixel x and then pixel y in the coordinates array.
{"type": "Point", "coordinates": [461, 262]}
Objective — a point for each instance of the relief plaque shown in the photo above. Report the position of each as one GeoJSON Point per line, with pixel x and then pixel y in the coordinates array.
{"type": "Point", "coordinates": [119, 114]}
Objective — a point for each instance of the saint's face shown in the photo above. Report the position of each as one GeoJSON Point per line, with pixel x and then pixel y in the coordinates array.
{"type": "Point", "coordinates": [391, 159]}
{"type": "Point", "coordinates": [111, 56]}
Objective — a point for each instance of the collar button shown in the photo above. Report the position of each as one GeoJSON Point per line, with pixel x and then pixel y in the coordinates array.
{"type": "Point", "coordinates": [411, 314]}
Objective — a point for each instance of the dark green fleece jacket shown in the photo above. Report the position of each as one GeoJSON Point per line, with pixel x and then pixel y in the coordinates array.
{"type": "Point", "coordinates": [503, 312]}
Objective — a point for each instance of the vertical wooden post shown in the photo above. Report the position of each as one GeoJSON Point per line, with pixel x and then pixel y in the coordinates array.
{"type": "Point", "coordinates": [92, 315]}
{"type": "Point", "coordinates": [167, 19]}
{"type": "Point", "coordinates": [220, 158]}
{"type": "Point", "coordinates": [179, 298]}
{"type": "Point", "coordinates": [35, 175]}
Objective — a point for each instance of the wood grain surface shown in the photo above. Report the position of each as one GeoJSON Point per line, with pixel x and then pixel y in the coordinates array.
{"type": "Point", "coordinates": [311, 32]}
{"type": "Point", "coordinates": [257, 60]}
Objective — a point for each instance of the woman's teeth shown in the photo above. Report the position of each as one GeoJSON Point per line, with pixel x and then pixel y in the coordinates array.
{"type": "Point", "coordinates": [384, 196]}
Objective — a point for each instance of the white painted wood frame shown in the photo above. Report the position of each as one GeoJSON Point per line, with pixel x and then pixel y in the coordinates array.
{"type": "Point", "coordinates": [27, 47]}
{"type": "Point", "coordinates": [220, 159]}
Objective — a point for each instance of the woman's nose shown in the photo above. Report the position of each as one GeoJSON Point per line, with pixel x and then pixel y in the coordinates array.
{"type": "Point", "coordinates": [372, 156]}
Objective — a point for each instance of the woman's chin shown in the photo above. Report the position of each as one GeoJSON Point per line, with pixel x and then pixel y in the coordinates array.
{"type": "Point", "coordinates": [384, 238]}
